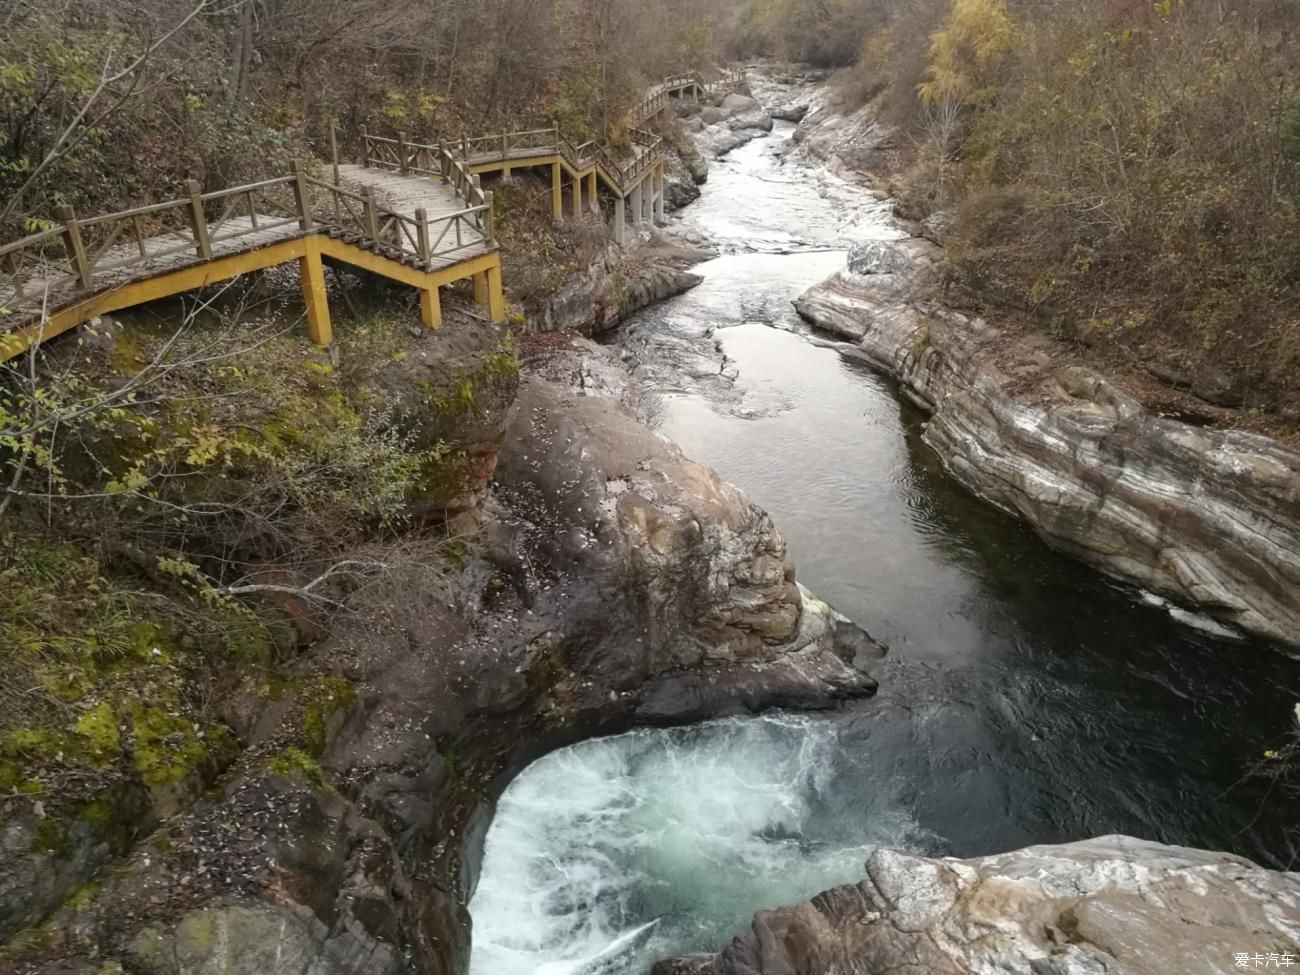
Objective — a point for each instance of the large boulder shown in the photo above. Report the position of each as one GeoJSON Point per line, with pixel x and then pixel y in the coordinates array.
{"type": "Point", "coordinates": [736, 104]}
{"type": "Point", "coordinates": [1110, 906]}
{"type": "Point", "coordinates": [757, 120]}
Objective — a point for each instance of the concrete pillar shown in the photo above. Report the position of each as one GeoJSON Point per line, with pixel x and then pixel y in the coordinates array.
{"type": "Point", "coordinates": [660, 214]}
{"type": "Point", "coordinates": [647, 198]}
{"type": "Point", "coordinates": [620, 221]}
{"type": "Point", "coordinates": [430, 308]}
{"type": "Point", "coordinates": [593, 200]}
{"type": "Point", "coordinates": [577, 197]}
{"type": "Point", "coordinates": [557, 192]}
{"type": "Point", "coordinates": [635, 199]}
{"type": "Point", "coordinates": [314, 296]}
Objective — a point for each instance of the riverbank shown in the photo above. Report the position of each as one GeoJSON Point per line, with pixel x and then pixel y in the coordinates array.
{"type": "Point", "coordinates": [1148, 487]}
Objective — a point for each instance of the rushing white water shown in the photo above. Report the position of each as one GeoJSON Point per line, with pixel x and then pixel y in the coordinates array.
{"type": "Point", "coordinates": [691, 828]}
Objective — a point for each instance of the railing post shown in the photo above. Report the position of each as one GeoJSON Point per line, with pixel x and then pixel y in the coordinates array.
{"type": "Point", "coordinates": [369, 213]}
{"type": "Point", "coordinates": [505, 145]}
{"type": "Point", "coordinates": [422, 234]}
{"type": "Point", "coordinates": [72, 241]}
{"type": "Point", "coordinates": [403, 163]}
{"type": "Point", "coordinates": [199, 222]}
{"type": "Point", "coordinates": [489, 219]}
{"type": "Point", "coordinates": [365, 147]}
{"type": "Point", "coordinates": [300, 197]}
{"type": "Point", "coordinates": [444, 157]}
{"type": "Point", "coordinates": [464, 146]}
{"type": "Point", "coordinates": [334, 151]}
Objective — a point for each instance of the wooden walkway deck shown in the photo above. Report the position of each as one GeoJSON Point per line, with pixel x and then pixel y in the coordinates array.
{"type": "Point", "coordinates": [414, 213]}
{"type": "Point", "coordinates": [417, 230]}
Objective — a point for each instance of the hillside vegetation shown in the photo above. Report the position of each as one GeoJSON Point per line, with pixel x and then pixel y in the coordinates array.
{"type": "Point", "coordinates": [108, 103]}
{"type": "Point", "coordinates": [1125, 173]}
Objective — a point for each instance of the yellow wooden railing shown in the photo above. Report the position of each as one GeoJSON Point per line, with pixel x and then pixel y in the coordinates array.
{"type": "Point", "coordinates": [78, 252]}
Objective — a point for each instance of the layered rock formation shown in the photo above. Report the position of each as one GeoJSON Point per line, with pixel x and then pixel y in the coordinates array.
{"type": "Point", "coordinates": [1209, 517]}
{"type": "Point", "coordinates": [620, 283]}
{"type": "Point", "coordinates": [1113, 905]}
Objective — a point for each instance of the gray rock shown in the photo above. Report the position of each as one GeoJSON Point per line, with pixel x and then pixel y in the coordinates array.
{"type": "Point", "coordinates": [1207, 517]}
{"type": "Point", "coordinates": [758, 120]}
{"type": "Point", "coordinates": [709, 115]}
{"type": "Point", "coordinates": [790, 113]}
{"type": "Point", "coordinates": [681, 188]}
{"type": "Point", "coordinates": [736, 104]}
{"type": "Point", "coordinates": [258, 938]}
{"type": "Point", "coordinates": [889, 256]}
{"type": "Point", "coordinates": [1110, 906]}
{"type": "Point", "coordinates": [614, 288]}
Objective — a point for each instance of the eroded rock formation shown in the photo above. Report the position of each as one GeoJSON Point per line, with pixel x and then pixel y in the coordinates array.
{"type": "Point", "coordinates": [1209, 517]}
{"type": "Point", "coordinates": [1112, 905]}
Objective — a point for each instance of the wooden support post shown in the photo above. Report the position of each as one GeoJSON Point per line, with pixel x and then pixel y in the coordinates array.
{"type": "Point", "coordinates": [403, 159]}
{"type": "Point", "coordinates": [481, 288]}
{"type": "Point", "coordinates": [334, 150]}
{"type": "Point", "coordinates": [557, 192]}
{"type": "Point", "coordinates": [300, 197]}
{"type": "Point", "coordinates": [496, 295]}
{"type": "Point", "coordinates": [490, 217]}
{"type": "Point", "coordinates": [422, 235]}
{"type": "Point", "coordinates": [365, 147]}
{"type": "Point", "coordinates": [369, 213]}
{"type": "Point", "coordinates": [430, 308]}
{"type": "Point", "coordinates": [72, 241]}
{"type": "Point", "coordinates": [593, 200]}
{"type": "Point", "coordinates": [198, 221]}
{"type": "Point", "coordinates": [577, 196]}
{"type": "Point", "coordinates": [314, 295]}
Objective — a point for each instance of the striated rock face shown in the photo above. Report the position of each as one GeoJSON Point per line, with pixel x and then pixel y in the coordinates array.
{"type": "Point", "coordinates": [1109, 906]}
{"type": "Point", "coordinates": [618, 285]}
{"type": "Point", "coordinates": [1208, 517]}
{"type": "Point", "coordinates": [686, 171]}
{"type": "Point", "coordinates": [849, 144]}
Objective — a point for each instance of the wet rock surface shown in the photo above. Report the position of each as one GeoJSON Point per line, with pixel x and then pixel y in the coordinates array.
{"type": "Point", "coordinates": [1114, 904]}
{"type": "Point", "coordinates": [652, 268]}
{"type": "Point", "coordinates": [725, 123]}
{"type": "Point", "coordinates": [1206, 516]}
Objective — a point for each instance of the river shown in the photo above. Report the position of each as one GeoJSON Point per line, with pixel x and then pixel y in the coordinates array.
{"type": "Point", "coordinates": [1026, 698]}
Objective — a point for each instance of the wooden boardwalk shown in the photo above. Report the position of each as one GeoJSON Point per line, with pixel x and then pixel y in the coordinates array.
{"type": "Point", "coordinates": [420, 231]}
{"type": "Point", "coordinates": [414, 213]}
{"type": "Point", "coordinates": [635, 179]}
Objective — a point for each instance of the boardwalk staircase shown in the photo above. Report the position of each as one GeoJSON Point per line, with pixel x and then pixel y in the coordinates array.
{"type": "Point", "coordinates": [414, 213]}
{"type": "Point", "coordinates": [635, 182]}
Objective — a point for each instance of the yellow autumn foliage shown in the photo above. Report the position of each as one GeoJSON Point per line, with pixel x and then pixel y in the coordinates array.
{"type": "Point", "coordinates": [967, 51]}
